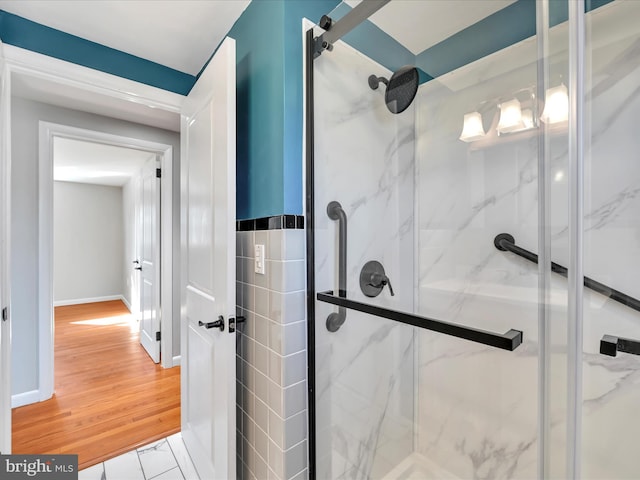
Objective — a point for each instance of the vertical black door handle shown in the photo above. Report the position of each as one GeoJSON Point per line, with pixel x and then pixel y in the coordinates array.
{"type": "Point", "coordinates": [336, 212]}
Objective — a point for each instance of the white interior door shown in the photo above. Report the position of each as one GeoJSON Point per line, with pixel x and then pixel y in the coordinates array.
{"type": "Point", "coordinates": [208, 256]}
{"type": "Point", "coordinates": [5, 202]}
{"type": "Point", "coordinates": [149, 262]}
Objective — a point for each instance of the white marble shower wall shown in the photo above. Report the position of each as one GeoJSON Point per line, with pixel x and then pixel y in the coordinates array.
{"type": "Point", "coordinates": [478, 407]}
{"type": "Point", "coordinates": [611, 390]}
{"type": "Point", "coordinates": [364, 158]}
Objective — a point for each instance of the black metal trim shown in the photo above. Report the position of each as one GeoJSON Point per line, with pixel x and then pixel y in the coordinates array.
{"type": "Point", "coordinates": [311, 285]}
{"type": "Point", "coordinates": [610, 345]}
{"type": "Point", "coordinates": [507, 341]}
{"type": "Point", "coordinates": [276, 222]}
{"type": "Point", "coordinates": [506, 242]}
{"type": "Point", "coordinates": [337, 30]}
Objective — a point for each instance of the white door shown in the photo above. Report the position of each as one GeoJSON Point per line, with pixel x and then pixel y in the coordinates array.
{"type": "Point", "coordinates": [149, 261]}
{"type": "Point", "coordinates": [5, 197]}
{"type": "Point", "coordinates": [208, 255]}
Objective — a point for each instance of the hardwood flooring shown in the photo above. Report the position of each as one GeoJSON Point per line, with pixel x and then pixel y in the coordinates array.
{"type": "Point", "coordinates": [109, 395]}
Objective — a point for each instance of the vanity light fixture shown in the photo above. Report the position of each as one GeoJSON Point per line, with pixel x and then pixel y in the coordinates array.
{"type": "Point", "coordinates": [472, 128]}
{"type": "Point", "coordinates": [518, 114]}
{"type": "Point", "coordinates": [556, 106]}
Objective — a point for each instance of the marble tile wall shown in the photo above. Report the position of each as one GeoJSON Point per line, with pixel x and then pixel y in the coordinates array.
{"type": "Point", "coordinates": [478, 408]}
{"type": "Point", "coordinates": [364, 371]}
{"type": "Point", "coordinates": [271, 357]}
{"type": "Point", "coordinates": [611, 386]}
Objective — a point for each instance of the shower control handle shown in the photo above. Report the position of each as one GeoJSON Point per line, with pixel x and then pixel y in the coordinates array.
{"type": "Point", "coordinates": [381, 280]}
{"type": "Point", "coordinates": [373, 279]}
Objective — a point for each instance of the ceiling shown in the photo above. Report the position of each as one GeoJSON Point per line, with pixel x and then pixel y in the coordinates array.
{"type": "Point", "coordinates": [86, 162]}
{"type": "Point", "coordinates": [178, 34]}
{"type": "Point", "coordinates": [418, 25]}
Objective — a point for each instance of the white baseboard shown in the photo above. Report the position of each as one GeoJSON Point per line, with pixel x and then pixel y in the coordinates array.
{"type": "Point", "coordinates": [176, 360]}
{"type": "Point", "coordinates": [21, 399]}
{"type": "Point", "coordinates": [126, 303]}
{"type": "Point", "coordinates": [78, 301]}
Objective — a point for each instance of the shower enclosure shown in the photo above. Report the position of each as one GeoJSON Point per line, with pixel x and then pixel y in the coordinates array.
{"type": "Point", "coordinates": [473, 227]}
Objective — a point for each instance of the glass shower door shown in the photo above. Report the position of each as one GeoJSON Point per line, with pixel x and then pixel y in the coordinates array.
{"type": "Point", "coordinates": [611, 229]}
{"type": "Point", "coordinates": [426, 336]}
{"type": "Point", "coordinates": [474, 306]}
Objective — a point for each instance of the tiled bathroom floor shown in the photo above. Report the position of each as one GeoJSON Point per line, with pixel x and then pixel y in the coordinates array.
{"type": "Point", "coordinates": [166, 459]}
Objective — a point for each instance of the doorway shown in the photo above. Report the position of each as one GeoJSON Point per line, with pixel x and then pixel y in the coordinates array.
{"type": "Point", "coordinates": [49, 133]}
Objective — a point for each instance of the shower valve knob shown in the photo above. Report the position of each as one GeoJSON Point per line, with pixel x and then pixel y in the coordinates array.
{"type": "Point", "coordinates": [373, 279]}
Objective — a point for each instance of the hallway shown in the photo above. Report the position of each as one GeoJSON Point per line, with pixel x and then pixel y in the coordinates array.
{"type": "Point", "coordinates": [109, 396]}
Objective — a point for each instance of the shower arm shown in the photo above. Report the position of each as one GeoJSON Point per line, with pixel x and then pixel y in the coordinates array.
{"type": "Point", "coordinates": [336, 212]}
{"type": "Point", "coordinates": [506, 242]}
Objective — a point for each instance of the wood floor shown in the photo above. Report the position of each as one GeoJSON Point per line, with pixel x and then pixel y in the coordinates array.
{"type": "Point", "coordinates": [110, 397]}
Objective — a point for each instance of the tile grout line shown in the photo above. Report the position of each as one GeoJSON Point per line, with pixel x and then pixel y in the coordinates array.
{"type": "Point", "coordinates": [144, 475]}
{"type": "Point", "coordinates": [176, 458]}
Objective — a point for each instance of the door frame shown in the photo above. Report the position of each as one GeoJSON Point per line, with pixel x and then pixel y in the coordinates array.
{"type": "Point", "coordinates": [5, 258]}
{"type": "Point", "coordinates": [48, 132]}
{"type": "Point", "coordinates": [31, 64]}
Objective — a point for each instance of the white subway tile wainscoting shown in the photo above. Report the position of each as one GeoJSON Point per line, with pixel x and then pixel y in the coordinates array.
{"type": "Point", "coordinates": [271, 356]}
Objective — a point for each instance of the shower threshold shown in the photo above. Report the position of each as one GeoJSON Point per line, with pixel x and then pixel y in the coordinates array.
{"type": "Point", "coordinates": [417, 467]}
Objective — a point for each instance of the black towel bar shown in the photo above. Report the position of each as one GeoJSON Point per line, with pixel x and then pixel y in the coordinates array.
{"type": "Point", "coordinates": [507, 341]}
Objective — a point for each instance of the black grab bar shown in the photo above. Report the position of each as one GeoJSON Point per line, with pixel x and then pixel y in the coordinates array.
{"type": "Point", "coordinates": [506, 242]}
{"type": "Point", "coordinates": [610, 345]}
{"type": "Point", "coordinates": [336, 212]}
{"type": "Point", "coordinates": [508, 341]}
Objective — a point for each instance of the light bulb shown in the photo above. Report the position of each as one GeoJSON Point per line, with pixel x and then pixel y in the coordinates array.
{"type": "Point", "coordinates": [472, 129]}
{"type": "Point", "coordinates": [556, 107]}
{"type": "Point", "coordinates": [510, 117]}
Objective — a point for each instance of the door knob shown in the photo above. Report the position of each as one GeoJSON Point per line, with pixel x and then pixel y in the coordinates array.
{"type": "Point", "coordinates": [217, 324]}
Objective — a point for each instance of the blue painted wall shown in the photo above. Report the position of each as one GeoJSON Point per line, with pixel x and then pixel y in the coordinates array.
{"type": "Point", "coordinates": [269, 105]}
{"type": "Point", "coordinates": [29, 35]}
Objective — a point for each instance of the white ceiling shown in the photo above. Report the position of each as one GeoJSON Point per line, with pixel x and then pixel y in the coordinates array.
{"type": "Point", "coordinates": [178, 34]}
{"type": "Point", "coordinates": [420, 24]}
{"type": "Point", "coordinates": [99, 164]}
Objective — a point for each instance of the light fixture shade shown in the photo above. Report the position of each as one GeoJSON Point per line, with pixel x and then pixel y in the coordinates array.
{"type": "Point", "coordinates": [556, 106]}
{"type": "Point", "coordinates": [510, 117]}
{"type": "Point", "coordinates": [472, 129]}
{"type": "Point", "coordinates": [527, 119]}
